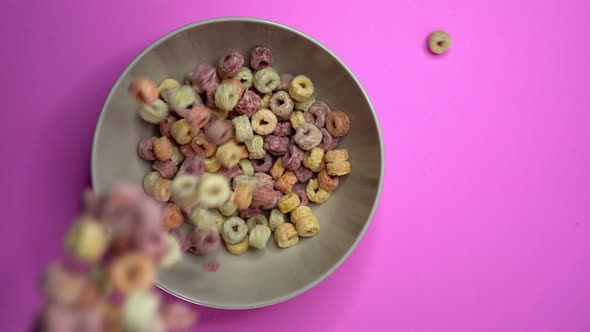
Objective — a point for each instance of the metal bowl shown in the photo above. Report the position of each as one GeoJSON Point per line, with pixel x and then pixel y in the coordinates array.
{"type": "Point", "coordinates": [257, 278]}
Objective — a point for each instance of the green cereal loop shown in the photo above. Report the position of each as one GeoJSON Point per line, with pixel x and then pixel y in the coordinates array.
{"type": "Point", "coordinates": [305, 105]}
{"type": "Point", "coordinates": [276, 219]}
{"type": "Point", "coordinates": [266, 80]}
{"type": "Point", "coordinates": [154, 113]}
{"type": "Point", "coordinates": [149, 181]}
{"type": "Point", "coordinates": [244, 179]}
{"type": "Point", "coordinates": [227, 96]}
{"type": "Point", "coordinates": [256, 147]}
{"type": "Point", "coordinates": [246, 166]}
{"type": "Point", "coordinates": [245, 77]}
{"type": "Point", "coordinates": [203, 218]}
{"type": "Point", "coordinates": [177, 156]}
{"type": "Point", "coordinates": [181, 97]}
{"type": "Point", "coordinates": [228, 209]}
{"type": "Point", "coordinates": [256, 220]}
{"type": "Point", "coordinates": [243, 128]}
{"type": "Point", "coordinates": [297, 119]}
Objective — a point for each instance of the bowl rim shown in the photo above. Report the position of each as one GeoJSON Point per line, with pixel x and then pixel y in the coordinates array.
{"type": "Point", "coordinates": [359, 237]}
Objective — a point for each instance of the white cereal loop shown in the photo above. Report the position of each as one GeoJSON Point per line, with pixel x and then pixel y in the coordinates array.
{"type": "Point", "coordinates": [243, 128]}
{"type": "Point", "coordinates": [276, 219]}
{"type": "Point", "coordinates": [213, 190]}
{"type": "Point", "coordinates": [154, 113]}
{"type": "Point", "coordinates": [234, 230]}
{"type": "Point", "coordinates": [257, 220]}
{"type": "Point", "coordinates": [184, 190]}
{"type": "Point", "coordinates": [259, 236]}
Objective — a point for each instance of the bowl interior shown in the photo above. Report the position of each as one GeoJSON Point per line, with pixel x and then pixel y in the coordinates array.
{"type": "Point", "coordinates": [256, 278]}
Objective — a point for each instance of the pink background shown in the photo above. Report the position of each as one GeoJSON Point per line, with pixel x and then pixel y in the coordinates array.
{"type": "Point", "coordinates": [484, 220]}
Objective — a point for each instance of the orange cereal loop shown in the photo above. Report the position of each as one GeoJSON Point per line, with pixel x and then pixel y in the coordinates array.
{"type": "Point", "coordinates": [163, 148]}
{"type": "Point", "coordinates": [131, 272]}
{"type": "Point", "coordinates": [286, 182]}
{"type": "Point", "coordinates": [328, 182]}
{"type": "Point", "coordinates": [242, 196]}
{"type": "Point", "coordinates": [143, 90]}
{"type": "Point", "coordinates": [202, 146]}
{"type": "Point", "coordinates": [162, 190]}
{"type": "Point", "coordinates": [243, 152]}
{"type": "Point", "coordinates": [172, 215]}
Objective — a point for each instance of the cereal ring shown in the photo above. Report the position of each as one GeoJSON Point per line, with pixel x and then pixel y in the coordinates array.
{"type": "Point", "coordinates": [154, 113]}
{"type": "Point", "coordinates": [228, 154]}
{"type": "Point", "coordinates": [317, 114]}
{"type": "Point", "coordinates": [181, 98]}
{"type": "Point", "coordinates": [249, 181]}
{"type": "Point", "coordinates": [259, 236]}
{"type": "Point", "coordinates": [245, 77]}
{"type": "Point", "coordinates": [212, 165]}
{"type": "Point", "coordinates": [182, 132]}
{"type": "Point", "coordinates": [264, 122]}
{"type": "Point", "coordinates": [244, 151]}
{"type": "Point", "coordinates": [277, 169]}
{"type": "Point", "coordinates": [302, 196]}
{"type": "Point", "coordinates": [238, 248]}
{"type": "Point", "coordinates": [293, 158]}
{"type": "Point", "coordinates": [174, 253]}
{"type": "Point", "coordinates": [276, 219]}
{"type": "Point", "coordinates": [297, 119]}
{"type": "Point", "coordinates": [263, 180]}
{"type": "Point", "coordinates": [132, 272]}
{"type": "Point", "coordinates": [203, 218]}
{"type": "Point", "coordinates": [333, 156]}
{"type": "Point", "coordinates": [288, 202]}
{"type": "Point", "coordinates": [327, 182]}
{"type": "Point", "coordinates": [202, 147]}
{"type": "Point", "coordinates": [285, 82]}
{"type": "Point", "coordinates": [166, 126]}
{"type": "Point", "coordinates": [139, 312]}
{"type": "Point", "coordinates": [246, 166]}
{"type": "Point", "coordinates": [163, 148]}
{"type": "Point", "coordinates": [193, 165]}
{"type": "Point", "coordinates": [315, 193]}
{"type": "Point", "coordinates": [256, 147]}
{"type": "Point", "coordinates": [173, 216]}
{"type": "Point", "coordinates": [145, 150]}
{"type": "Point", "coordinates": [282, 105]}
{"type": "Point", "coordinates": [313, 158]}
{"type": "Point", "coordinates": [439, 42]}
{"type": "Point", "coordinates": [204, 78]}
{"type": "Point", "coordinates": [143, 90]}
{"type": "Point", "coordinates": [329, 142]}
{"type": "Point", "coordinates": [260, 219]}
{"type": "Point", "coordinates": [214, 190]}
{"type": "Point", "coordinates": [184, 190]}
{"type": "Point", "coordinates": [337, 123]}
{"type": "Point", "coordinates": [218, 114]}
{"type": "Point", "coordinates": [248, 105]}
{"type": "Point", "coordinates": [238, 85]}
{"type": "Point", "coordinates": [307, 226]}
{"type": "Point", "coordinates": [303, 174]}
{"type": "Point", "coordinates": [286, 182]}
{"type": "Point", "coordinates": [305, 105]}
{"type": "Point", "coordinates": [167, 84]}
{"type": "Point", "coordinates": [198, 116]}
{"type": "Point", "coordinates": [262, 165]}
{"type": "Point", "coordinates": [230, 64]}
{"type": "Point", "coordinates": [263, 196]}
{"type": "Point", "coordinates": [265, 101]}
{"type": "Point", "coordinates": [203, 241]}
{"type": "Point", "coordinates": [260, 57]}
{"type": "Point", "coordinates": [286, 235]}
{"type": "Point", "coordinates": [243, 128]}
{"type": "Point", "coordinates": [301, 88]}
{"type": "Point", "coordinates": [218, 131]}
{"type": "Point", "coordinates": [86, 240]}
{"type": "Point", "coordinates": [308, 136]}
{"type": "Point", "coordinates": [166, 168]}
{"type": "Point", "coordinates": [276, 145]}
{"type": "Point", "coordinates": [299, 213]}
{"type": "Point", "coordinates": [210, 97]}
{"type": "Point", "coordinates": [338, 168]}
{"type": "Point", "coordinates": [227, 96]}
{"type": "Point", "coordinates": [283, 129]}
{"type": "Point", "coordinates": [266, 80]}
{"type": "Point", "coordinates": [234, 230]}
{"type": "Point", "coordinates": [177, 156]}
{"type": "Point", "coordinates": [230, 173]}
{"type": "Point", "coordinates": [249, 212]}
{"type": "Point", "coordinates": [162, 190]}
{"type": "Point", "coordinates": [187, 150]}
{"type": "Point", "coordinates": [228, 209]}
{"type": "Point", "coordinates": [149, 181]}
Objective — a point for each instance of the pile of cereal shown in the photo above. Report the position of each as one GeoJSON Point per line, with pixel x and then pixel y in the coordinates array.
{"type": "Point", "coordinates": [242, 152]}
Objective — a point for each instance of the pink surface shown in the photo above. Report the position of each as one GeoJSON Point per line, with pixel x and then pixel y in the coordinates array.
{"type": "Point", "coordinates": [484, 221]}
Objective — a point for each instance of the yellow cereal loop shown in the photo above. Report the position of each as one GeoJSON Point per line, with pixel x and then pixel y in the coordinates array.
{"type": "Point", "coordinates": [86, 240]}
{"type": "Point", "coordinates": [177, 156]}
{"type": "Point", "coordinates": [338, 168]}
{"type": "Point", "coordinates": [313, 158]}
{"type": "Point", "coordinates": [166, 85]}
{"type": "Point", "coordinates": [277, 169]}
{"type": "Point", "coordinates": [182, 132]}
{"type": "Point", "coordinates": [315, 193]}
{"type": "Point", "coordinates": [213, 190]}
{"type": "Point", "coordinates": [336, 155]}
{"type": "Point", "coordinates": [301, 88]}
{"type": "Point", "coordinates": [228, 209]}
{"type": "Point", "coordinates": [286, 235]}
{"type": "Point", "coordinates": [307, 226]}
{"type": "Point", "coordinates": [219, 114]}
{"type": "Point", "coordinates": [238, 248]}
{"type": "Point", "coordinates": [265, 101]}
{"type": "Point", "coordinates": [149, 181]}
{"type": "Point", "coordinates": [300, 212]}
{"type": "Point", "coordinates": [297, 119]}
{"type": "Point", "coordinates": [228, 154]}
{"type": "Point", "coordinates": [212, 165]}
{"type": "Point", "coordinates": [289, 202]}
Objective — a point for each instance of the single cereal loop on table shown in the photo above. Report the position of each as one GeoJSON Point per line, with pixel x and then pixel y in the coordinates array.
{"type": "Point", "coordinates": [329, 142]}
{"type": "Point", "coordinates": [245, 77]}
{"type": "Point", "coordinates": [219, 131]}
{"type": "Point", "coordinates": [276, 145]}
{"type": "Point", "coordinates": [145, 149]}
{"type": "Point", "coordinates": [336, 155]}
{"type": "Point", "coordinates": [181, 98]}
{"type": "Point", "coordinates": [218, 114]}
{"type": "Point", "coordinates": [143, 91]}
{"type": "Point", "coordinates": [260, 57]}
{"type": "Point", "coordinates": [228, 209]}
{"type": "Point", "coordinates": [303, 174]}
{"type": "Point", "coordinates": [154, 113]}
{"type": "Point", "coordinates": [281, 105]}
{"type": "Point", "coordinates": [337, 123]}
{"type": "Point", "coordinates": [182, 132]}
{"type": "Point", "coordinates": [307, 226]}
{"type": "Point", "coordinates": [283, 129]}
{"type": "Point", "coordinates": [246, 166]}
{"type": "Point", "coordinates": [259, 236]}
{"type": "Point", "coordinates": [162, 190]}
{"type": "Point", "coordinates": [149, 181]}
{"type": "Point", "coordinates": [228, 154]}
{"type": "Point", "coordinates": [204, 78]}
{"type": "Point", "coordinates": [166, 168]}
{"type": "Point", "coordinates": [297, 119]}
{"type": "Point", "coordinates": [86, 240]}
{"type": "Point", "coordinates": [308, 136]}
{"type": "Point", "coordinates": [230, 64]}
{"type": "Point", "coordinates": [234, 230]}
{"type": "Point", "coordinates": [262, 165]}
{"type": "Point", "coordinates": [163, 148]}
{"type": "Point", "coordinates": [177, 156]}
{"type": "Point", "coordinates": [256, 147]}
{"type": "Point", "coordinates": [338, 168]}
{"type": "Point", "coordinates": [286, 235]}
{"type": "Point", "coordinates": [242, 197]}
{"type": "Point", "coordinates": [315, 193]}
{"type": "Point", "coordinates": [184, 190]}
{"type": "Point", "coordinates": [299, 213]}
{"type": "Point", "coordinates": [248, 104]}
{"type": "Point", "coordinates": [286, 182]}
{"type": "Point", "coordinates": [243, 128]}
{"type": "Point", "coordinates": [277, 170]}
{"type": "Point", "coordinates": [301, 88]}
{"type": "Point", "coordinates": [166, 126]}
{"type": "Point", "coordinates": [202, 147]}
{"type": "Point", "coordinates": [172, 215]}
{"type": "Point", "coordinates": [439, 42]}
{"type": "Point", "coordinates": [213, 190]}
{"type": "Point", "coordinates": [198, 116]}
{"type": "Point", "coordinates": [227, 96]}
{"type": "Point", "coordinates": [266, 80]}
{"type": "Point", "coordinates": [317, 114]}
{"type": "Point", "coordinates": [166, 85]}
{"type": "Point", "coordinates": [305, 105]}
{"type": "Point", "coordinates": [265, 101]}
{"type": "Point", "coordinates": [288, 202]}
{"type": "Point", "coordinates": [293, 158]}
{"type": "Point", "coordinates": [256, 220]}
{"type": "Point", "coordinates": [264, 122]}
{"type": "Point", "coordinates": [212, 165]}
{"type": "Point", "coordinates": [238, 248]}
{"type": "Point", "coordinates": [132, 272]}
{"type": "Point", "coordinates": [285, 82]}
{"type": "Point", "coordinates": [276, 219]}
{"type": "Point", "coordinates": [327, 182]}
{"type": "Point", "coordinates": [313, 158]}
